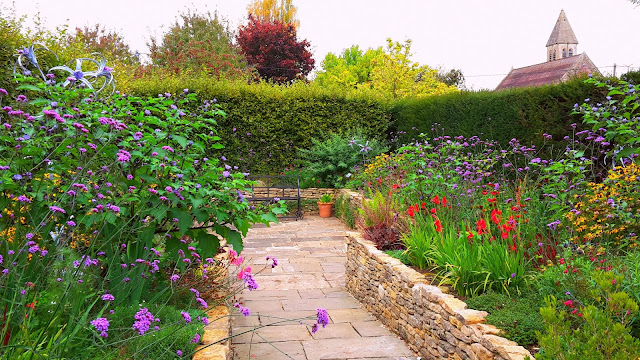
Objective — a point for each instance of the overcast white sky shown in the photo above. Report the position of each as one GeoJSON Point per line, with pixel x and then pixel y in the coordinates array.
{"type": "Point", "coordinates": [482, 38]}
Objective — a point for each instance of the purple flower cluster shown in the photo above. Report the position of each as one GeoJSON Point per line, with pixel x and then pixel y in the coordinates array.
{"type": "Point", "coordinates": [101, 325]}
{"type": "Point", "coordinates": [243, 310]}
{"type": "Point", "coordinates": [143, 318]}
{"type": "Point", "coordinates": [322, 319]}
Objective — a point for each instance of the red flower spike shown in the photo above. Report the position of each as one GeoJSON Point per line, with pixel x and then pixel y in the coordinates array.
{"type": "Point", "coordinates": [444, 201]}
{"type": "Point", "coordinates": [496, 216]}
{"type": "Point", "coordinates": [433, 210]}
{"type": "Point", "coordinates": [470, 236]}
{"type": "Point", "coordinates": [438, 225]}
{"type": "Point", "coordinates": [481, 225]}
{"type": "Point", "coordinates": [436, 200]}
{"type": "Point", "coordinates": [424, 205]}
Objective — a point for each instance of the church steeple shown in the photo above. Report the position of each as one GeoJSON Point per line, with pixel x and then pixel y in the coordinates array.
{"type": "Point", "coordinates": [562, 42]}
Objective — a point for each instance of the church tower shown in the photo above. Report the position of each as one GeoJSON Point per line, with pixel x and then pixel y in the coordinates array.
{"type": "Point", "coordinates": [562, 42]}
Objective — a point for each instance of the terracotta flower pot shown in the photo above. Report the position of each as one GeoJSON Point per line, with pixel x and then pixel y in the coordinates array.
{"type": "Point", "coordinates": [325, 209]}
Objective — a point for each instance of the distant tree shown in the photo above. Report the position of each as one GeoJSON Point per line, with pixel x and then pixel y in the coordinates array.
{"type": "Point", "coordinates": [352, 68]}
{"type": "Point", "coordinates": [199, 43]}
{"type": "Point", "coordinates": [108, 43]}
{"type": "Point", "coordinates": [275, 10]}
{"type": "Point", "coordinates": [397, 76]}
{"type": "Point", "coordinates": [453, 77]}
{"type": "Point", "coordinates": [274, 50]}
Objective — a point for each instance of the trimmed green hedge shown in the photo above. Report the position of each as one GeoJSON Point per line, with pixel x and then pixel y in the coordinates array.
{"type": "Point", "coordinates": [524, 114]}
{"type": "Point", "coordinates": [272, 122]}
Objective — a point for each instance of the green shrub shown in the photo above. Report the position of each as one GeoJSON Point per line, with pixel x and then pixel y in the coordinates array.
{"type": "Point", "coordinates": [516, 316]}
{"type": "Point", "coordinates": [267, 124]}
{"type": "Point", "coordinates": [401, 255]}
{"type": "Point", "coordinates": [345, 212]}
{"type": "Point", "coordinates": [331, 161]}
{"type": "Point", "coordinates": [524, 114]}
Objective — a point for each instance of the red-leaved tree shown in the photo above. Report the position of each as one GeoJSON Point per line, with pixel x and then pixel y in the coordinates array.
{"type": "Point", "coordinates": [273, 48]}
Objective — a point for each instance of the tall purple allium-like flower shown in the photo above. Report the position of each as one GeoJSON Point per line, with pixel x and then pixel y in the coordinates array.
{"type": "Point", "coordinates": [102, 325]}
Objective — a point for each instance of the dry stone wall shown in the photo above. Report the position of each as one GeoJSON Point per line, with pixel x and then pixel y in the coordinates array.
{"type": "Point", "coordinates": [435, 324]}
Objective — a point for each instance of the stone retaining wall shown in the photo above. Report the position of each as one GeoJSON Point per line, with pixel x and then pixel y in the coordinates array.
{"type": "Point", "coordinates": [436, 325]}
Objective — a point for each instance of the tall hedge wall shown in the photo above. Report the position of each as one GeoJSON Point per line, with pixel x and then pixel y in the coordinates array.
{"type": "Point", "coordinates": [524, 114]}
{"type": "Point", "coordinates": [265, 124]}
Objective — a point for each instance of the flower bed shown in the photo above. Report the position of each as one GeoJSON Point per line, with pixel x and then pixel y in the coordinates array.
{"type": "Point", "coordinates": [434, 324]}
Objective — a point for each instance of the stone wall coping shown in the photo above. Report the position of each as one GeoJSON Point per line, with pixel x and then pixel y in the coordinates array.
{"type": "Point", "coordinates": [483, 339]}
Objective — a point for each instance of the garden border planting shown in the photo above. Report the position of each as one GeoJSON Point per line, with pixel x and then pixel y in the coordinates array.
{"type": "Point", "coordinates": [433, 323]}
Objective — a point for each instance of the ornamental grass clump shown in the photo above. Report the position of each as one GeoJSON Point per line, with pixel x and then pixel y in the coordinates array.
{"type": "Point", "coordinates": [109, 207]}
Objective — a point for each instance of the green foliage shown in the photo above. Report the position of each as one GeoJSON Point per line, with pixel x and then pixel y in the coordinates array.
{"type": "Point", "coordinates": [326, 199]}
{"type": "Point", "coordinates": [515, 316]}
{"type": "Point", "coordinates": [332, 160]}
{"type": "Point", "coordinates": [266, 124]}
{"type": "Point", "coordinates": [351, 69]}
{"type": "Point", "coordinates": [397, 76]}
{"type": "Point", "coordinates": [345, 212]}
{"type": "Point", "coordinates": [591, 334]}
{"type": "Point", "coordinates": [10, 40]}
{"type": "Point", "coordinates": [97, 195]}
{"type": "Point", "coordinates": [632, 77]}
{"type": "Point", "coordinates": [198, 44]}
{"type": "Point", "coordinates": [523, 114]}
{"type": "Point", "coordinates": [618, 114]}
{"type": "Point", "coordinates": [400, 255]}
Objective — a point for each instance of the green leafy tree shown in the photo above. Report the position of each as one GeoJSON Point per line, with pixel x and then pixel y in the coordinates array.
{"type": "Point", "coordinates": [397, 76]}
{"type": "Point", "coordinates": [199, 43]}
{"type": "Point", "coordinates": [351, 69]}
{"type": "Point", "coordinates": [453, 77]}
{"type": "Point", "coordinates": [108, 43]}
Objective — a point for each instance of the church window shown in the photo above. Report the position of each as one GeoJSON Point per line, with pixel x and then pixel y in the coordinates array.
{"type": "Point", "coordinates": [564, 53]}
{"type": "Point", "coordinates": [550, 55]}
{"type": "Point", "coordinates": [554, 54]}
{"type": "Point", "coordinates": [570, 52]}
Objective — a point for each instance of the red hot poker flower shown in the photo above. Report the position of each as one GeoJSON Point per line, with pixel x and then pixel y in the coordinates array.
{"type": "Point", "coordinates": [444, 201]}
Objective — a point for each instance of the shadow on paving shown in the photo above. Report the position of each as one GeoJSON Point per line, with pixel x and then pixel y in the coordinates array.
{"type": "Point", "coordinates": [311, 274]}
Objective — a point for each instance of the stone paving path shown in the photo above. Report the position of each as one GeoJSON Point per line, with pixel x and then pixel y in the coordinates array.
{"type": "Point", "coordinates": [311, 274]}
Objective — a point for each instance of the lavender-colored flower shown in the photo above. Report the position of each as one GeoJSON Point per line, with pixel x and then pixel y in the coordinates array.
{"type": "Point", "coordinates": [179, 352]}
{"type": "Point", "coordinates": [323, 317]}
{"type": "Point", "coordinates": [57, 209]}
{"type": "Point", "coordinates": [249, 281]}
{"type": "Point", "coordinates": [108, 297]}
{"type": "Point", "coordinates": [101, 325]}
{"type": "Point", "coordinates": [243, 310]}
{"type": "Point", "coordinates": [226, 174]}
{"type": "Point", "coordinates": [3, 92]}
{"type": "Point", "coordinates": [186, 317]}
{"type": "Point", "coordinates": [202, 302]}
{"type": "Point", "coordinates": [196, 339]}
{"type": "Point", "coordinates": [143, 320]}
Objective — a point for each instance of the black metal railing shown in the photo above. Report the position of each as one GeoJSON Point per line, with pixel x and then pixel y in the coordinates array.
{"type": "Point", "coordinates": [271, 188]}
